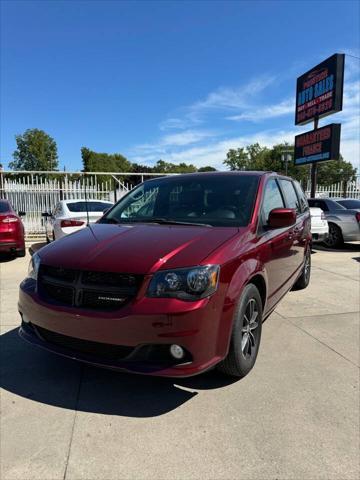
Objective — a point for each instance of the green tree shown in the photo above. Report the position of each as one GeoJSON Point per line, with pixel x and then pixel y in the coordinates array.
{"type": "Point", "coordinates": [104, 162]}
{"type": "Point", "coordinates": [335, 171]}
{"type": "Point", "coordinates": [36, 150]}
{"type": "Point", "coordinates": [166, 167]}
{"type": "Point", "coordinates": [237, 159]}
{"type": "Point", "coordinates": [208, 168]}
{"type": "Point", "coordinates": [255, 157]}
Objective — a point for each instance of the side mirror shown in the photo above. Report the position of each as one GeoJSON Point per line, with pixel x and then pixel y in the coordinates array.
{"type": "Point", "coordinates": [46, 214]}
{"type": "Point", "coordinates": [21, 214]}
{"type": "Point", "coordinates": [282, 217]}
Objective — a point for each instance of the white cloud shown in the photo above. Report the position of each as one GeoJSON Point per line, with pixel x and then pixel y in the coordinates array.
{"type": "Point", "coordinates": [233, 98]}
{"type": "Point", "coordinates": [174, 140]}
{"type": "Point", "coordinates": [226, 99]}
{"type": "Point", "coordinates": [172, 123]}
{"type": "Point", "coordinates": [285, 107]}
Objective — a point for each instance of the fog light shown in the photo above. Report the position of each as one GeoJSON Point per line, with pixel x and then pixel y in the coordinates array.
{"type": "Point", "coordinates": [177, 351]}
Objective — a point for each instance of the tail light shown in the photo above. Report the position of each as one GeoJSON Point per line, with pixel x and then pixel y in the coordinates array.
{"type": "Point", "coordinates": [357, 216]}
{"type": "Point", "coordinates": [323, 216]}
{"type": "Point", "coordinates": [71, 223]}
{"type": "Point", "coordinates": [10, 220]}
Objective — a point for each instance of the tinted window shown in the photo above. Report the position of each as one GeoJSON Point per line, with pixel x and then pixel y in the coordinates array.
{"type": "Point", "coordinates": [349, 203]}
{"type": "Point", "coordinates": [291, 198]}
{"type": "Point", "coordinates": [332, 205]}
{"type": "Point", "coordinates": [272, 199]}
{"type": "Point", "coordinates": [4, 207]}
{"type": "Point", "coordinates": [88, 206]}
{"type": "Point", "coordinates": [219, 200]}
{"type": "Point", "coordinates": [303, 201]}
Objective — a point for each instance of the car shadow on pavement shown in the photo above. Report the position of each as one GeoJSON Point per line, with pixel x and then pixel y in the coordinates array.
{"type": "Point", "coordinates": [7, 257]}
{"type": "Point", "coordinates": [347, 247]}
{"type": "Point", "coordinates": [43, 377]}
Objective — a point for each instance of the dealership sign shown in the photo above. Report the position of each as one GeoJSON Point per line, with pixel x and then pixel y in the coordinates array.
{"type": "Point", "coordinates": [319, 91]}
{"type": "Point", "coordinates": [318, 145]}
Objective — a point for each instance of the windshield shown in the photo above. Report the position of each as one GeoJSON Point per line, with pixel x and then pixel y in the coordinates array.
{"type": "Point", "coordinates": [88, 206]}
{"type": "Point", "coordinates": [215, 200]}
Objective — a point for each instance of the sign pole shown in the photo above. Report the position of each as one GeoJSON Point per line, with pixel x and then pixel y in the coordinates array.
{"type": "Point", "coordinates": [314, 166]}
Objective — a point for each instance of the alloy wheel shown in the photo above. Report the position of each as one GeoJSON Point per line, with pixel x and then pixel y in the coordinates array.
{"type": "Point", "coordinates": [249, 335]}
{"type": "Point", "coordinates": [307, 265]}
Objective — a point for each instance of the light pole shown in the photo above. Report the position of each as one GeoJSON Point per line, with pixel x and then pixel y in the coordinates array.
{"type": "Point", "coordinates": [286, 158]}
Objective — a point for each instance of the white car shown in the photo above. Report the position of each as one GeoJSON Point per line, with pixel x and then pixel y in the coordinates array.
{"type": "Point", "coordinates": [68, 216]}
{"type": "Point", "coordinates": [319, 225]}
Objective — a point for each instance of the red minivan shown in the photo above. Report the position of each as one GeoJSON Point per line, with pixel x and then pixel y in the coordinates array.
{"type": "Point", "coordinates": [176, 278]}
{"type": "Point", "coordinates": [12, 237]}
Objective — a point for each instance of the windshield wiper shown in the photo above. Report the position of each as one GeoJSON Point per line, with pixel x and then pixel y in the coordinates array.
{"type": "Point", "coordinates": [170, 221]}
{"type": "Point", "coordinates": [160, 221]}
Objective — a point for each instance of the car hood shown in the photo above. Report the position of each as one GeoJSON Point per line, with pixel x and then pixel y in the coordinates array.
{"type": "Point", "coordinates": [135, 249]}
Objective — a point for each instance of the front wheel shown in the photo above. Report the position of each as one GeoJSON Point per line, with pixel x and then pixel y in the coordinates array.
{"type": "Point", "coordinates": [335, 238]}
{"type": "Point", "coordinates": [246, 334]}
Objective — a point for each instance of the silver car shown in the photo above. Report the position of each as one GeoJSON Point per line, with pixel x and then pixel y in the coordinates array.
{"type": "Point", "coordinates": [344, 224]}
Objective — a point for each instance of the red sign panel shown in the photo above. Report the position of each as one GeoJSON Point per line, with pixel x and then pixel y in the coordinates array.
{"type": "Point", "coordinates": [319, 92]}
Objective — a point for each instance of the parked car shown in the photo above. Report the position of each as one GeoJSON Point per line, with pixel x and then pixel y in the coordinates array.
{"type": "Point", "coordinates": [319, 225]}
{"type": "Point", "coordinates": [349, 203]}
{"type": "Point", "coordinates": [68, 216]}
{"type": "Point", "coordinates": [176, 278]}
{"type": "Point", "coordinates": [12, 235]}
{"type": "Point", "coordinates": [344, 225]}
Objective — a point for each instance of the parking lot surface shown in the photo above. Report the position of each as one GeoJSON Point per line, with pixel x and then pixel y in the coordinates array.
{"type": "Point", "coordinates": [295, 416]}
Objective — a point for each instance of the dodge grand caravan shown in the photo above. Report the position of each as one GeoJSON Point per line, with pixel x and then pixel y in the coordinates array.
{"type": "Point", "coordinates": [174, 279]}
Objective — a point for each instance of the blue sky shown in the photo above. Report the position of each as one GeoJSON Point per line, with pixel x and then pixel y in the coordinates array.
{"type": "Point", "coordinates": [181, 81]}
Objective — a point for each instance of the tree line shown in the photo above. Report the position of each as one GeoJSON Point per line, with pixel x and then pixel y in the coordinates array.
{"type": "Point", "coordinates": [36, 150]}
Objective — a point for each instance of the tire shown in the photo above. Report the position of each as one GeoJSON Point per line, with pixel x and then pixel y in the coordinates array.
{"type": "Point", "coordinates": [335, 238]}
{"type": "Point", "coordinates": [304, 279]}
{"type": "Point", "coordinates": [21, 253]}
{"type": "Point", "coordinates": [245, 341]}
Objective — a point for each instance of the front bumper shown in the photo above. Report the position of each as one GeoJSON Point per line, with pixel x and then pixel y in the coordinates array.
{"type": "Point", "coordinates": [202, 330]}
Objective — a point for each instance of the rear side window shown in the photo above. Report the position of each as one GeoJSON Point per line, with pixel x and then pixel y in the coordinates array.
{"type": "Point", "coordinates": [272, 199]}
{"type": "Point", "coordinates": [303, 201]}
{"type": "Point", "coordinates": [88, 206]}
{"type": "Point", "coordinates": [4, 207]}
{"type": "Point", "coordinates": [291, 198]}
{"type": "Point", "coordinates": [349, 203]}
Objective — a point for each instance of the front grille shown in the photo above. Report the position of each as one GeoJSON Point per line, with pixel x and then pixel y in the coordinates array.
{"type": "Point", "coordinates": [59, 293]}
{"type": "Point", "coordinates": [87, 289]}
{"type": "Point", "coordinates": [112, 352]}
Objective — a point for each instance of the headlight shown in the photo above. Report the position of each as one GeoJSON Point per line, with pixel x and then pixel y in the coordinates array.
{"type": "Point", "coordinates": [185, 283]}
{"type": "Point", "coordinates": [34, 266]}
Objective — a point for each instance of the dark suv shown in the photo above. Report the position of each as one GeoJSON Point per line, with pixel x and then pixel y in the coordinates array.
{"type": "Point", "coordinates": [176, 278]}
